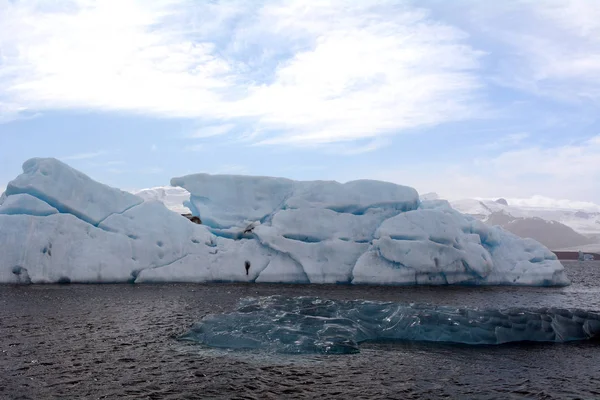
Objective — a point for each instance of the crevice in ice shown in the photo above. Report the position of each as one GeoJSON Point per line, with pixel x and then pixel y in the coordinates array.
{"type": "Point", "coordinates": [62, 208]}
{"type": "Point", "coordinates": [302, 238]}
{"type": "Point", "coordinates": [395, 263]}
{"type": "Point", "coordinates": [35, 213]}
{"type": "Point", "coordinates": [232, 234]}
{"type": "Point", "coordinates": [471, 271]}
{"type": "Point", "coordinates": [359, 241]}
{"type": "Point", "coordinates": [114, 213]}
{"type": "Point", "coordinates": [267, 219]}
{"type": "Point", "coordinates": [442, 241]}
{"type": "Point", "coordinates": [264, 269]}
{"type": "Point", "coordinates": [284, 253]}
{"type": "Point", "coordinates": [537, 259]}
{"type": "Point", "coordinates": [217, 227]}
{"type": "Point", "coordinates": [136, 273]}
{"type": "Point", "coordinates": [404, 237]}
{"type": "Point", "coordinates": [355, 209]}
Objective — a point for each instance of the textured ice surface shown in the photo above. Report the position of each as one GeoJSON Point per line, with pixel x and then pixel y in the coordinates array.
{"type": "Point", "coordinates": [70, 191]}
{"type": "Point", "coordinates": [26, 204]}
{"type": "Point", "coordinates": [314, 325]}
{"type": "Point", "coordinates": [225, 201]}
{"type": "Point", "coordinates": [58, 225]}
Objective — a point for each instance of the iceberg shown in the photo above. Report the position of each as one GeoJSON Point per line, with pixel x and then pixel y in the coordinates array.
{"type": "Point", "coordinates": [172, 197]}
{"type": "Point", "coordinates": [315, 325]}
{"type": "Point", "coordinates": [59, 225]}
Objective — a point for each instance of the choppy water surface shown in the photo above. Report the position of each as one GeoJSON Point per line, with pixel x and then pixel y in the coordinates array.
{"type": "Point", "coordinates": [113, 341]}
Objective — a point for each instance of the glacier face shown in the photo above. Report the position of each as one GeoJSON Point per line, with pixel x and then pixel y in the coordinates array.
{"type": "Point", "coordinates": [58, 225]}
{"type": "Point", "coordinates": [314, 325]}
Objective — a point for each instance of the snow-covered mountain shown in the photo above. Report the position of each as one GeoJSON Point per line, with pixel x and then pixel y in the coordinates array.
{"type": "Point", "coordinates": [558, 224]}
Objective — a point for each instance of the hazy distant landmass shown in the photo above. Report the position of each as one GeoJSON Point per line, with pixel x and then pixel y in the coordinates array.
{"type": "Point", "coordinates": [552, 223]}
{"type": "Point", "coordinates": [551, 234]}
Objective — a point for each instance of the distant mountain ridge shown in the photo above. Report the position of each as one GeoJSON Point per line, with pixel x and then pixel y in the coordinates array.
{"type": "Point", "coordinates": [556, 228]}
{"type": "Point", "coordinates": [551, 234]}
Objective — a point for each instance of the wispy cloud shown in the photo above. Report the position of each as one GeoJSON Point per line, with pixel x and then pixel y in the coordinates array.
{"type": "Point", "coordinates": [549, 48]}
{"type": "Point", "coordinates": [295, 73]}
{"type": "Point", "coordinates": [567, 171]}
{"type": "Point", "coordinates": [560, 163]}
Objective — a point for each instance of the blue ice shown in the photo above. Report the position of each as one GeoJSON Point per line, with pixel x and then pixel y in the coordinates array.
{"type": "Point", "coordinates": [314, 325]}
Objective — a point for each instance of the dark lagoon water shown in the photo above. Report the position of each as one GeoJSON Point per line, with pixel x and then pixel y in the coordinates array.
{"type": "Point", "coordinates": [120, 341]}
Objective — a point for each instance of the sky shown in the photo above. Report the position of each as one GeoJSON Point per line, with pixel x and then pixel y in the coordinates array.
{"type": "Point", "coordinates": [463, 98]}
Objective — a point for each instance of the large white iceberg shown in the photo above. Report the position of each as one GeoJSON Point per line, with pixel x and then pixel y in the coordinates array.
{"type": "Point", "coordinates": [58, 225]}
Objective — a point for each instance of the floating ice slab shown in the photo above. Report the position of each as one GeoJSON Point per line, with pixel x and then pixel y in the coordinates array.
{"type": "Point", "coordinates": [58, 225]}
{"type": "Point", "coordinates": [314, 325]}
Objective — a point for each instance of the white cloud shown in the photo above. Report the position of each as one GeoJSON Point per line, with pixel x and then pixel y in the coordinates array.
{"type": "Point", "coordinates": [562, 163]}
{"type": "Point", "coordinates": [289, 72]}
{"type": "Point", "coordinates": [552, 47]}
{"type": "Point", "coordinates": [564, 172]}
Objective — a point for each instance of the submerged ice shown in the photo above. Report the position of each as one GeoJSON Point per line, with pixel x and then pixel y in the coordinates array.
{"type": "Point", "coordinates": [314, 325]}
{"type": "Point", "coordinates": [59, 225]}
